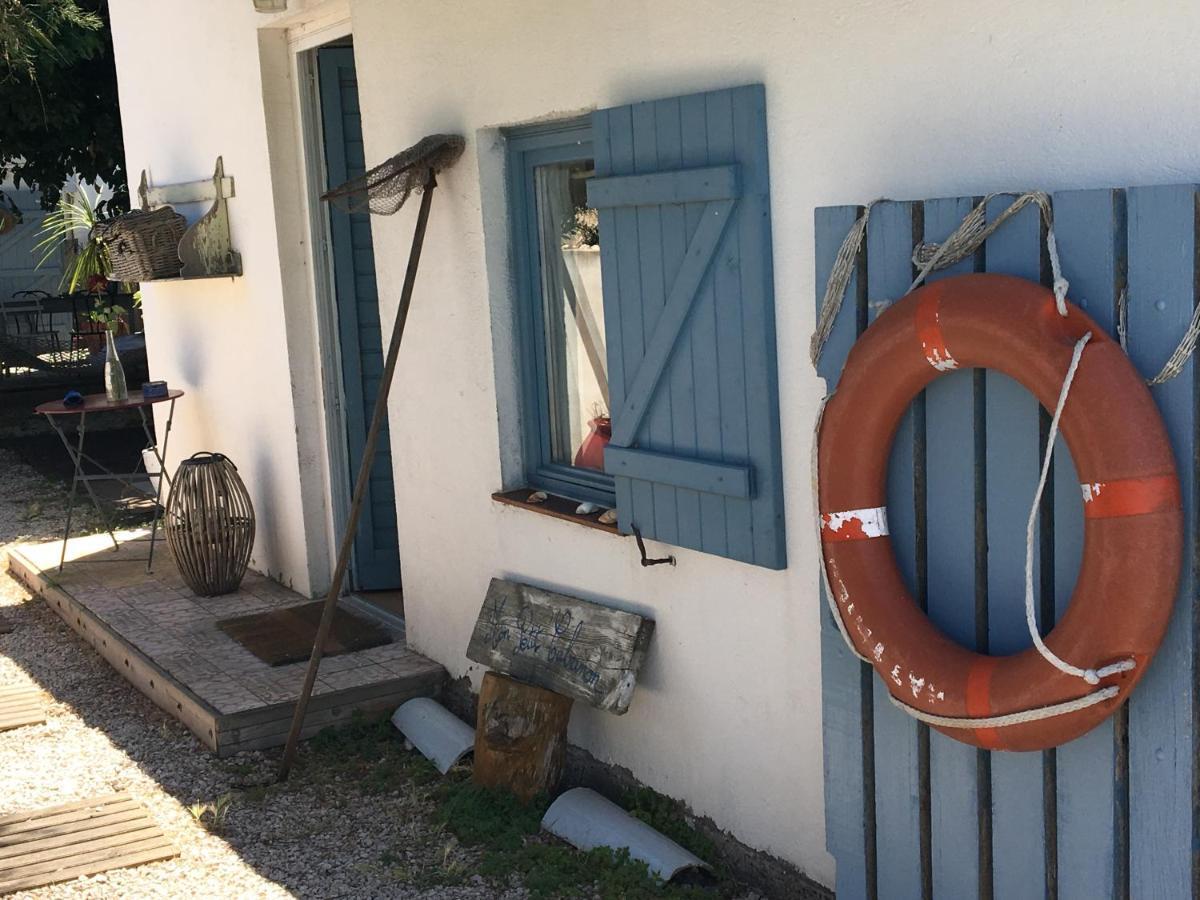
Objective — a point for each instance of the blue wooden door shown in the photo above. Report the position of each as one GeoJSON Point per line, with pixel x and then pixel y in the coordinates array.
{"type": "Point", "coordinates": [376, 546]}
{"type": "Point", "coordinates": [911, 813]}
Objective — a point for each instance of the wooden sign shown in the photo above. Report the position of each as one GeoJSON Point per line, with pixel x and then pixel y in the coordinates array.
{"type": "Point", "coordinates": [572, 646]}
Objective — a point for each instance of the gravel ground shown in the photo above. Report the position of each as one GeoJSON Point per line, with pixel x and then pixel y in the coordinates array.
{"type": "Point", "coordinates": [310, 838]}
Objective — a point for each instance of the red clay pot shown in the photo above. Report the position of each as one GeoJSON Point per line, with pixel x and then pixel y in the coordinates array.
{"type": "Point", "coordinates": [590, 454]}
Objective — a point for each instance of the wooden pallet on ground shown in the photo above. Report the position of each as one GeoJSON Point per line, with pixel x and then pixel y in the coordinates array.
{"type": "Point", "coordinates": [62, 843]}
{"type": "Point", "coordinates": [21, 706]}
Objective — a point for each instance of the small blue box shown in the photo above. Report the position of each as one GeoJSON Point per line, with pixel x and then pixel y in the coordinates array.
{"type": "Point", "coordinates": [154, 390]}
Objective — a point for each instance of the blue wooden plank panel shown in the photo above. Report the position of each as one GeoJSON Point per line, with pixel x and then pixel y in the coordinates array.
{"type": "Point", "coordinates": [841, 672]}
{"type": "Point", "coordinates": [756, 272]}
{"type": "Point", "coordinates": [1090, 231]}
{"type": "Point", "coordinates": [731, 330]}
{"type": "Point", "coordinates": [693, 124]}
{"type": "Point", "coordinates": [655, 432]}
{"type": "Point", "coordinates": [897, 735]}
{"type": "Point", "coordinates": [376, 555]}
{"type": "Point", "coordinates": [950, 486]}
{"type": "Point", "coordinates": [1013, 459]}
{"type": "Point", "coordinates": [630, 342]}
{"type": "Point", "coordinates": [1162, 294]}
{"type": "Point", "coordinates": [679, 378]}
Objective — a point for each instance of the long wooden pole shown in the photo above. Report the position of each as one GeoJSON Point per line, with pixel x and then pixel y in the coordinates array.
{"type": "Point", "coordinates": [360, 486]}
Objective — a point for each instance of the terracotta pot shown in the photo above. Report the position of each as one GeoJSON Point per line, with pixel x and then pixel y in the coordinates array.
{"type": "Point", "coordinates": [590, 454]}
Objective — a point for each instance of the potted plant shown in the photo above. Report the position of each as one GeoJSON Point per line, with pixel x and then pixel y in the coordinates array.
{"type": "Point", "coordinates": [111, 317]}
{"type": "Point", "coordinates": [86, 264]}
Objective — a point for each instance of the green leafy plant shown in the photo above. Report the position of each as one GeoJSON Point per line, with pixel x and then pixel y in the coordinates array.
{"type": "Point", "coordinates": [89, 265]}
{"type": "Point", "coordinates": [212, 815]}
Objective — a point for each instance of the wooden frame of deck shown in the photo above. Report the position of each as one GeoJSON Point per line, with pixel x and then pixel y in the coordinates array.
{"type": "Point", "coordinates": [260, 726]}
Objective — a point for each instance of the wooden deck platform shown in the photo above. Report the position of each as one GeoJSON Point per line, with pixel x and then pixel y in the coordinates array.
{"type": "Point", "coordinates": [165, 641]}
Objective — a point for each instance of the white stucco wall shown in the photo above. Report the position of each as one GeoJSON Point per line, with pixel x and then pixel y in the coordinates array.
{"type": "Point", "coordinates": [865, 98]}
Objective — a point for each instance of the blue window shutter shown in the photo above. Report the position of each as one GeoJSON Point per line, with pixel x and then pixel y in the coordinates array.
{"type": "Point", "coordinates": [682, 190]}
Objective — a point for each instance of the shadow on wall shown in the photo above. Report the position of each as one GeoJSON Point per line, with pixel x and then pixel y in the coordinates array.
{"type": "Point", "coordinates": [259, 476]}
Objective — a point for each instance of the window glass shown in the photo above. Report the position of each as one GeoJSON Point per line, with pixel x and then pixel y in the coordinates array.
{"type": "Point", "coordinates": [576, 377]}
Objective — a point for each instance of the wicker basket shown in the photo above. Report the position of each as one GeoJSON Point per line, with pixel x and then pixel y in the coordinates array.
{"type": "Point", "coordinates": [143, 244]}
{"type": "Point", "coordinates": [209, 524]}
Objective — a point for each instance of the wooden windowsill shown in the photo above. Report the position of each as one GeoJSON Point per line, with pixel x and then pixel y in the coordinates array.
{"type": "Point", "coordinates": [554, 506]}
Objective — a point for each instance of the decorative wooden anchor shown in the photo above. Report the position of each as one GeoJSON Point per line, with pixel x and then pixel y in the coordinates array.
{"type": "Point", "coordinates": [554, 650]}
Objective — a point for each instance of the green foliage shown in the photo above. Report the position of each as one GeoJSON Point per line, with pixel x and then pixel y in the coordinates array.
{"type": "Point", "coordinates": [668, 816]}
{"type": "Point", "coordinates": [74, 213]}
{"type": "Point", "coordinates": [213, 816]}
{"type": "Point", "coordinates": [491, 828]}
{"type": "Point", "coordinates": [479, 815]}
{"type": "Point", "coordinates": [30, 29]}
{"type": "Point", "coordinates": [58, 97]}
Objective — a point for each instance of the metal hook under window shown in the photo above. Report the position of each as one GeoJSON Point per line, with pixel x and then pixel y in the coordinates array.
{"type": "Point", "coordinates": [646, 560]}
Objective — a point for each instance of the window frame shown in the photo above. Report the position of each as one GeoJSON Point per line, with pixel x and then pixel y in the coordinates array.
{"type": "Point", "coordinates": [527, 148]}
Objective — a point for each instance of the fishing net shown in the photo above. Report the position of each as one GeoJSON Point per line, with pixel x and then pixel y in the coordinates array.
{"type": "Point", "coordinates": [384, 189]}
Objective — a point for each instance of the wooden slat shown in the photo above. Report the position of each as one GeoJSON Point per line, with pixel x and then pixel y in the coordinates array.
{"type": "Point", "coordinates": [111, 834]}
{"type": "Point", "coordinates": [663, 330]}
{"type": "Point", "coordinates": [1013, 460]}
{"type": "Point", "coordinates": [705, 396]}
{"type": "Point", "coordinates": [13, 820]}
{"type": "Point", "coordinates": [680, 471]}
{"type": "Point", "coordinates": [574, 647]}
{"type": "Point", "coordinates": [898, 740]}
{"type": "Point", "coordinates": [64, 842]}
{"type": "Point", "coordinates": [848, 829]}
{"type": "Point", "coordinates": [21, 706]}
{"type": "Point", "coordinates": [654, 293]}
{"type": "Point", "coordinates": [755, 271]}
{"type": "Point", "coordinates": [115, 816]}
{"type": "Point", "coordinates": [92, 863]}
{"type": "Point", "coordinates": [678, 222]}
{"type": "Point", "coordinates": [1162, 294]}
{"type": "Point", "coordinates": [624, 326]}
{"type": "Point", "coordinates": [655, 188]}
{"type": "Point", "coordinates": [1090, 229]}
{"type": "Point", "coordinates": [731, 322]}
{"type": "Point", "coordinates": [956, 822]}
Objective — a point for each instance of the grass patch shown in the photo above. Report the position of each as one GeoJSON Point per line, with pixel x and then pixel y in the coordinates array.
{"type": "Point", "coordinates": [477, 830]}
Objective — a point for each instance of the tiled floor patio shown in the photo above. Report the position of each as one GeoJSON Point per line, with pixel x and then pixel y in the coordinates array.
{"type": "Point", "coordinates": [165, 640]}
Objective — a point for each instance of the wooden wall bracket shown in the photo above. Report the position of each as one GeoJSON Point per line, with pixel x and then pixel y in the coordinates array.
{"type": "Point", "coordinates": [206, 249]}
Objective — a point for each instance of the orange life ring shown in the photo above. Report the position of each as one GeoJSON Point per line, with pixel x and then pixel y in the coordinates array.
{"type": "Point", "coordinates": [1133, 519]}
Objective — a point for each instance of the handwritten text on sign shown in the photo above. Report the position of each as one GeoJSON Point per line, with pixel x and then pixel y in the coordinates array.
{"type": "Point", "coordinates": [572, 646]}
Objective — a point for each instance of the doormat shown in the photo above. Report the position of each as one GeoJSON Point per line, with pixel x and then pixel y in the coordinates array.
{"type": "Point", "coordinates": [21, 706]}
{"type": "Point", "coordinates": [5, 625]}
{"type": "Point", "coordinates": [284, 636]}
{"type": "Point", "coordinates": [63, 843]}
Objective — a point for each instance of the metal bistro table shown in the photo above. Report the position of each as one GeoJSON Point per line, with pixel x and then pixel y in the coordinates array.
{"type": "Point", "coordinates": [95, 404]}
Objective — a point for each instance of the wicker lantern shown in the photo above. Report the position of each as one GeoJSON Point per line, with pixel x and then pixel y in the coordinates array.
{"type": "Point", "coordinates": [209, 524]}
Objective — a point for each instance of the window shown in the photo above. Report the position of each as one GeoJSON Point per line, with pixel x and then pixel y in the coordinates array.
{"type": "Point", "coordinates": [561, 311]}
{"type": "Point", "coordinates": [670, 199]}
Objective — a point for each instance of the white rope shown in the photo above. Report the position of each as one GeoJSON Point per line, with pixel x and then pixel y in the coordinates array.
{"type": "Point", "coordinates": [1016, 718]}
{"type": "Point", "coordinates": [1179, 356]}
{"type": "Point", "coordinates": [1091, 676]}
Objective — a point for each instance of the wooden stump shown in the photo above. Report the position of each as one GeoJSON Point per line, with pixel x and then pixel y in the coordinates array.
{"type": "Point", "coordinates": [521, 736]}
